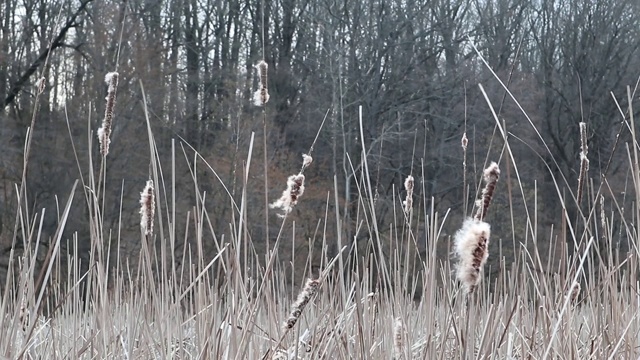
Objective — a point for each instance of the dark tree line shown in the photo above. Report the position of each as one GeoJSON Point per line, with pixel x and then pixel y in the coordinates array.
{"type": "Point", "coordinates": [409, 64]}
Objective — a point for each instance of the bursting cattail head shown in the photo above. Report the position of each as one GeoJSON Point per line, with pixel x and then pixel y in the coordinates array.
{"type": "Point", "coordinates": [306, 161]}
{"type": "Point", "coordinates": [41, 84]}
{"type": "Point", "coordinates": [289, 198]}
{"type": "Point", "coordinates": [408, 201]}
{"type": "Point", "coordinates": [491, 175]}
{"type": "Point", "coordinates": [472, 249]}
{"type": "Point", "coordinates": [464, 141]}
{"type": "Point", "coordinates": [104, 133]}
{"type": "Point", "coordinates": [584, 161]}
{"type": "Point", "coordinates": [147, 209]}
{"type": "Point", "coordinates": [398, 342]}
{"type": "Point", "coordinates": [310, 289]}
{"type": "Point", "coordinates": [575, 293]}
{"type": "Point", "coordinates": [260, 97]}
{"type": "Point", "coordinates": [262, 73]}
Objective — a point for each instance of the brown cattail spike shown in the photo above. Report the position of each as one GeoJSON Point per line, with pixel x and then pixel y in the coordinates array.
{"type": "Point", "coordinates": [584, 161]}
{"type": "Point", "coordinates": [398, 341]}
{"type": "Point", "coordinates": [472, 249]}
{"type": "Point", "coordinates": [491, 175]}
{"type": "Point", "coordinates": [147, 209]}
{"type": "Point", "coordinates": [310, 289]}
{"type": "Point", "coordinates": [104, 133]}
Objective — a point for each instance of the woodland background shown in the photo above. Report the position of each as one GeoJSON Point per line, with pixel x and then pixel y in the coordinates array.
{"type": "Point", "coordinates": [409, 64]}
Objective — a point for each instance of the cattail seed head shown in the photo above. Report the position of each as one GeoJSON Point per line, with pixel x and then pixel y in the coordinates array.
{"type": "Point", "coordinates": [262, 73]}
{"type": "Point", "coordinates": [41, 84]}
{"type": "Point", "coordinates": [584, 161]}
{"type": "Point", "coordinates": [310, 289]}
{"type": "Point", "coordinates": [408, 201]}
{"type": "Point", "coordinates": [398, 342]}
{"type": "Point", "coordinates": [464, 141]}
{"type": "Point", "coordinates": [575, 293]}
{"type": "Point", "coordinates": [147, 209]}
{"type": "Point", "coordinates": [306, 160]}
{"type": "Point", "coordinates": [289, 198]}
{"type": "Point", "coordinates": [491, 175]}
{"type": "Point", "coordinates": [472, 249]}
{"type": "Point", "coordinates": [104, 133]}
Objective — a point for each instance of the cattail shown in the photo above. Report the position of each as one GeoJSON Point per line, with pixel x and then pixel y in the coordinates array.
{"type": "Point", "coordinates": [310, 289]}
{"type": "Point", "coordinates": [261, 96]}
{"type": "Point", "coordinates": [289, 198]}
{"type": "Point", "coordinates": [408, 201]}
{"type": "Point", "coordinates": [398, 343]}
{"type": "Point", "coordinates": [575, 293]}
{"type": "Point", "coordinates": [491, 175]}
{"type": "Point", "coordinates": [472, 249]}
{"type": "Point", "coordinates": [464, 141]}
{"type": "Point", "coordinates": [147, 209]}
{"type": "Point", "coordinates": [41, 84]}
{"type": "Point", "coordinates": [104, 133]}
{"type": "Point", "coordinates": [306, 161]}
{"type": "Point", "coordinates": [584, 161]}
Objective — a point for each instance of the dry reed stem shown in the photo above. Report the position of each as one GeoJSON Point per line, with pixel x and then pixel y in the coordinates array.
{"type": "Point", "coordinates": [104, 133]}
{"type": "Point", "coordinates": [491, 175]}
{"type": "Point", "coordinates": [147, 209]}
{"type": "Point", "coordinates": [310, 289]}
{"type": "Point", "coordinates": [584, 161]}
{"type": "Point", "coordinates": [472, 249]}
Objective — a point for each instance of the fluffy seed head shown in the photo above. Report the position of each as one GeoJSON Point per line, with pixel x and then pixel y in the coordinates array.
{"type": "Point", "coordinates": [262, 73]}
{"type": "Point", "coordinates": [310, 289]}
{"type": "Point", "coordinates": [491, 175]}
{"type": "Point", "coordinates": [104, 133]}
{"type": "Point", "coordinates": [408, 201]}
{"type": "Point", "coordinates": [472, 249]}
{"type": "Point", "coordinates": [464, 141]}
{"type": "Point", "coordinates": [306, 160]}
{"type": "Point", "coordinates": [584, 161]}
{"type": "Point", "coordinates": [260, 97]}
{"type": "Point", "coordinates": [289, 198]}
{"type": "Point", "coordinates": [398, 343]}
{"type": "Point", "coordinates": [147, 209]}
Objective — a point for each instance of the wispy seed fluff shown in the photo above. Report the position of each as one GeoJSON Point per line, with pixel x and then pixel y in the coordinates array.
{"type": "Point", "coordinates": [407, 204]}
{"type": "Point", "coordinates": [147, 209]}
{"type": "Point", "coordinates": [261, 96]}
{"type": "Point", "coordinates": [104, 133]}
{"type": "Point", "coordinates": [289, 198]}
{"type": "Point", "coordinates": [295, 189]}
{"type": "Point", "coordinates": [471, 246]}
{"type": "Point", "coordinates": [491, 175]}
{"type": "Point", "coordinates": [41, 84]}
{"type": "Point", "coordinates": [310, 289]}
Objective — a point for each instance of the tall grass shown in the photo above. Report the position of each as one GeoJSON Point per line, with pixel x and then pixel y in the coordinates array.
{"type": "Point", "coordinates": [390, 302]}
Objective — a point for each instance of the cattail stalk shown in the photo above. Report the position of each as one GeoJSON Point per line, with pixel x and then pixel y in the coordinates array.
{"type": "Point", "coordinates": [147, 209]}
{"type": "Point", "coordinates": [584, 161]}
{"type": "Point", "coordinates": [491, 175]}
{"type": "Point", "coordinates": [104, 133]}
{"type": "Point", "coordinates": [309, 290]}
